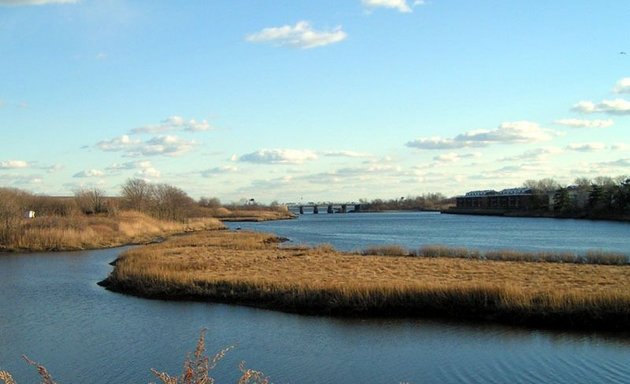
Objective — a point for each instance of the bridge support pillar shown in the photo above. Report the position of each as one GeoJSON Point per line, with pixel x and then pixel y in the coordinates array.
{"type": "Point", "coordinates": [301, 209]}
{"type": "Point", "coordinates": [344, 208]}
{"type": "Point", "coordinates": [315, 210]}
{"type": "Point", "coordinates": [330, 209]}
{"type": "Point", "coordinates": [357, 207]}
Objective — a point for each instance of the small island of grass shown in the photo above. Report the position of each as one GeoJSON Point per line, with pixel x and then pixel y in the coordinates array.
{"type": "Point", "coordinates": [251, 269]}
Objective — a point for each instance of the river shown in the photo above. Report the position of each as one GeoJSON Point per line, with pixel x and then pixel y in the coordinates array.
{"type": "Point", "coordinates": [52, 310]}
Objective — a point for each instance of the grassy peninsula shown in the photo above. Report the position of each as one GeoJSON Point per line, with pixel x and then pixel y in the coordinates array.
{"type": "Point", "coordinates": [142, 213]}
{"type": "Point", "coordinates": [251, 269]}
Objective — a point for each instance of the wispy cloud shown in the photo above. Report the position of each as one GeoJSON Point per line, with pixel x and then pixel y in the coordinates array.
{"type": "Point", "coordinates": [219, 171]}
{"type": "Point", "coordinates": [167, 145]}
{"type": "Point", "coordinates": [453, 157]}
{"type": "Point", "coordinates": [174, 123]}
{"type": "Point", "coordinates": [586, 147]}
{"type": "Point", "coordinates": [89, 173]}
{"type": "Point", "coordinates": [581, 123]}
{"type": "Point", "coordinates": [612, 107]}
{"type": "Point", "coordinates": [144, 169]}
{"type": "Point", "coordinates": [507, 133]}
{"type": "Point", "coordinates": [36, 2]}
{"type": "Point", "coordinates": [279, 156]}
{"type": "Point", "coordinates": [300, 35]}
{"type": "Point", "coordinates": [400, 5]}
{"type": "Point", "coordinates": [535, 154]}
{"type": "Point", "coordinates": [350, 154]}
{"type": "Point", "coordinates": [14, 164]}
{"type": "Point", "coordinates": [623, 85]}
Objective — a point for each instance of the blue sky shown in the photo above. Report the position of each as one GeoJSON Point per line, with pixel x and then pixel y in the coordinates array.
{"type": "Point", "coordinates": [314, 100]}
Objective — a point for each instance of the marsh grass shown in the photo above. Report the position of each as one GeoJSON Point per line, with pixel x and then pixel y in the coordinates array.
{"type": "Point", "coordinates": [248, 268]}
{"type": "Point", "coordinates": [385, 250]}
{"type": "Point", "coordinates": [590, 257]}
{"type": "Point", "coordinates": [196, 369]}
{"type": "Point", "coordinates": [96, 231]}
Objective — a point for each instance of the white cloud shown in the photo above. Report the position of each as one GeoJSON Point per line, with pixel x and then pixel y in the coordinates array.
{"type": "Point", "coordinates": [350, 154]}
{"type": "Point", "coordinates": [219, 171]}
{"type": "Point", "coordinates": [581, 123]}
{"type": "Point", "coordinates": [301, 35]}
{"type": "Point", "coordinates": [53, 168]}
{"type": "Point", "coordinates": [167, 145]}
{"type": "Point", "coordinates": [623, 85]}
{"type": "Point", "coordinates": [620, 147]}
{"type": "Point", "coordinates": [453, 157]}
{"type": "Point", "coordinates": [613, 107]}
{"type": "Point", "coordinates": [89, 173]}
{"type": "Point", "coordinates": [13, 164]}
{"type": "Point", "coordinates": [148, 173]}
{"type": "Point", "coordinates": [535, 154]}
{"type": "Point", "coordinates": [586, 147]}
{"type": "Point", "coordinates": [36, 2]}
{"type": "Point", "coordinates": [122, 143]}
{"type": "Point", "coordinates": [144, 169]}
{"type": "Point", "coordinates": [174, 123]}
{"type": "Point", "coordinates": [450, 157]}
{"type": "Point", "coordinates": [400, 5]}
{"type": "Point", "coordinates": [279, 156]}
{"type": "Point", "coordinates": [507, 133]}
{"type": "Point", "coordinates": [434, 142]}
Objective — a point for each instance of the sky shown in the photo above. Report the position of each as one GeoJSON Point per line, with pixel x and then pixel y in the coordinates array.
{"type": "Point", "coordinates": [303, 100]}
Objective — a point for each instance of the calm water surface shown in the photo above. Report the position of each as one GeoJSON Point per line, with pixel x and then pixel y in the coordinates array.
{"type": "Point", "coordinates": [414, 229]}
{"type": "Point", "coordinates": [52, 310]}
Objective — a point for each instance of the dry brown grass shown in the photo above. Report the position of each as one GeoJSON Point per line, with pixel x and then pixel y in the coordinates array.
{"type": "Point", "coordinates": [226, 214]}
{"type": "Point", "coordinates": [97, 231]}
{"type": "Point", "coordinates": [249, 268]}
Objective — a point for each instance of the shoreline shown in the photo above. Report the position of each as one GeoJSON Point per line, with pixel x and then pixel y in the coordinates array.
{"type": "Point", "coordinates": [126, 228]}
{"type": "Point", "coordinates": [323, 282]}
{"type": "Point", "coordinates": [533, 214]}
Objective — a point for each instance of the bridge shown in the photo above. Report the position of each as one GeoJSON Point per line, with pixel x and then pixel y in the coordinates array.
{"type": "Point", "coordinates": [329, 207]}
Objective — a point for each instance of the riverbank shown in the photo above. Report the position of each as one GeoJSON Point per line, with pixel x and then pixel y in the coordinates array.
{"type": "Point", "coordinates": [250, 269]}
{"type": "Point", "coordinates": [81, 232]}
{"type": "Point", "coordinates": [537, 214]}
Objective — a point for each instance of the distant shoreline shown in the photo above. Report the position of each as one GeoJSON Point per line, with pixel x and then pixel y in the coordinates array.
{"type": "Point", "coordinates": [249, 269]}
{"type": "Point", "coordinates": [535, 214]}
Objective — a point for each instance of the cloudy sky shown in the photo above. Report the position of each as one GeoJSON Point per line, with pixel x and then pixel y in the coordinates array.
{"type": "Point", "coordinates": [314, 100]}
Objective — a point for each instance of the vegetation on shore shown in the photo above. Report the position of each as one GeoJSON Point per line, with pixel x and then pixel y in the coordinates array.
{"type": "Point", "coordinates": [142, 213]}
{"type": "Point", "coordinates": [601, 198]}
{"type": "Point", "coordinates": [250, 268]}
{"type": "Point", "coordinates": [196, 369]}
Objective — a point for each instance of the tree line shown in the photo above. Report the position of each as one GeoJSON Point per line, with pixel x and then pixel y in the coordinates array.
{"type": "Point", "coordinates": [602, 196]}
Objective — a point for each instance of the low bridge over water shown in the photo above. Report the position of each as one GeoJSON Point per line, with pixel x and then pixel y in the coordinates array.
{"type": "Point", "coordinates": [316, 208]}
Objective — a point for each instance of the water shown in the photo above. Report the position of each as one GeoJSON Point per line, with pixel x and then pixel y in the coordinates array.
{"type": "Point", "coordinates": [414, 229]}
{"type": "Point", "coordinates": [52, 310]}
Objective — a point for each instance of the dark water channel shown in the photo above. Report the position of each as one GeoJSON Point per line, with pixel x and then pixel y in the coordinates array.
{"type": "Point", "coordinates": [52, 310]}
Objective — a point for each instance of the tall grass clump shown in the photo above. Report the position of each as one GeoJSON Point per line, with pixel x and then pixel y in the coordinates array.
{"type": "Point", "coordinates": [590, 257]}
{"type": "Point", "coordinates": [385, 250]}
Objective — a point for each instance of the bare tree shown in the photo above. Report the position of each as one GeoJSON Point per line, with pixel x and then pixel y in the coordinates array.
{"type": "Point", "coordinates": [91, 201]}
{"type": "Point", "coordinates": [170, 203]}
{"type": "Point", "coordinates": [545, 185]}
{"type": "Point", "coordinates": [136, 194]}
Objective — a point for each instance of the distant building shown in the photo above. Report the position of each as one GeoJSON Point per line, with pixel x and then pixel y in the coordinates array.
{"type": "Point", "coordinates": [29, 214]}
{"type": "Point", "coordinates": [511, 198]}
